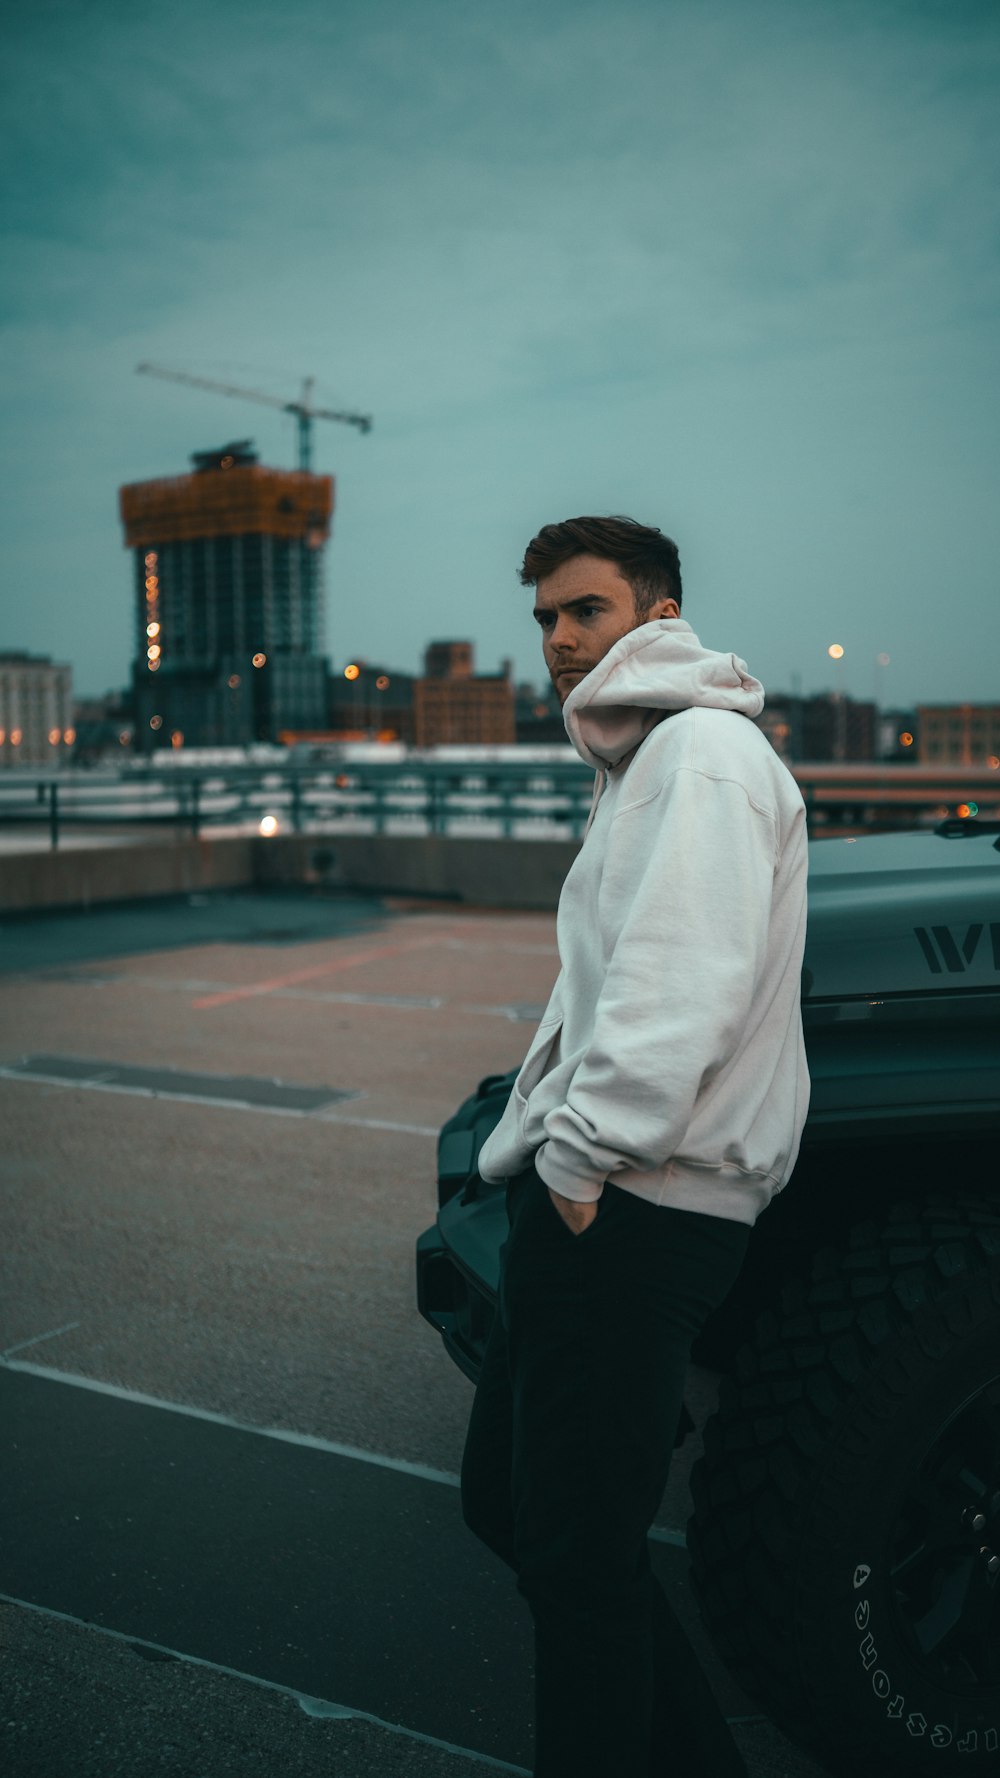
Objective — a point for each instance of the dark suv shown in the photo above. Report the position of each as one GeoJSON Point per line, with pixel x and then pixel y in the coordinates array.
{"type": "Point", "coordinates": [845, 1539]}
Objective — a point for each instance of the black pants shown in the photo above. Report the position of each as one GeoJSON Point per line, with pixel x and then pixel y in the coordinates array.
{"type": "Point", "coordinates": [565, 1462]}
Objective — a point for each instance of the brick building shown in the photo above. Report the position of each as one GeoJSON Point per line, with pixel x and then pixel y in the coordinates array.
{"type": "Point", "coordinates": [451, 704]}
{"type": "Point", "coordinates": [959, 734]}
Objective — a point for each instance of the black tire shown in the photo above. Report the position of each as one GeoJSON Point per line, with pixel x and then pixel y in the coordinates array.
{"type": "Point", "coordinates": [847, 1506]}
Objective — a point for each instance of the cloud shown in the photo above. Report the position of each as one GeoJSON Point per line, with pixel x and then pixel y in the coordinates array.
{"type": "Point", "coordinates": [742, 260]}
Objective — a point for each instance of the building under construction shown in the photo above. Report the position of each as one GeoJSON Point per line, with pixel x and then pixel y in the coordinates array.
{"type": "Point", "coordinates": [228, 600]}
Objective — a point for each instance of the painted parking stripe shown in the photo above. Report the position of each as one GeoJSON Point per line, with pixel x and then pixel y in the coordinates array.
{"type": "Point", "coordinates": [376, 953]}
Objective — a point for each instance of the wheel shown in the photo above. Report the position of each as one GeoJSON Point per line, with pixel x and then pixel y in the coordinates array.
{"type": "Point", "coordinates": [845, 1541]}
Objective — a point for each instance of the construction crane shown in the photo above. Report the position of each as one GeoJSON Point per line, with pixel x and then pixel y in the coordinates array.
{"type": "Point", "coordinates": [303, 409]}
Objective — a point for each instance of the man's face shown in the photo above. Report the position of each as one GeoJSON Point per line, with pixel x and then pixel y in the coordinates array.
{"type": "Point", "coordinates": [582, 609]}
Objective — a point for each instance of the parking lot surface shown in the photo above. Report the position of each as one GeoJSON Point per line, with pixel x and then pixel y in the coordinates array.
{"type": "Point", "coordinates": [232, 1534]}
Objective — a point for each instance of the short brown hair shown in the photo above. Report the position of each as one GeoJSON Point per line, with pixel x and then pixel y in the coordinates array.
{"type": "Point", "coordinates": [646, 558]}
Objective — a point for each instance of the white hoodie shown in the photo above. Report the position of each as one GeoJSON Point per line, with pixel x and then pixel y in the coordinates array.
{"type": "Point", "coordinates": [670, 1056]}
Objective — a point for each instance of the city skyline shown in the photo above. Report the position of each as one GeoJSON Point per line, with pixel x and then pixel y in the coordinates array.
{"type": "Point", "coordinates": [736, 275]}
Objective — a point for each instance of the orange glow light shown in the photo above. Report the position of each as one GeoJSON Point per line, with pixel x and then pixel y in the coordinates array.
{"type": "Point", "coordinates": [55, 735]}
{"type": "Point", "coordinates": [3, 736]}
{"type": "Point", "coordinates": [69, 736]}
{"type": "Point", "coordinates": [177, 738]}
{"type": "Point", "coordinates": [233, 681]}
{"type": "Point", "coordinates": [352, 672]}
{"type": "Point", "coordinates": [906, 739]}
{"type": "Point", "coordinates": [154, 651]}
{"type": "Point", "coordinates": [151, 583]}
{"type": "Point", "coordinates": [151, 559]}
{"type": "Point", "coordinates": [154, 666]}
{"type": "Point", "coordinates": [994, 762]}
{"type": "Point", "coordinates": [152, 629]}
{"type": "Point", "coordinates": [15, 737]}
{"type": "Point", "coordinates": [835, 651]}
{"type": "Point", "coordinates": [156, 722]}
{"type": "Point", "coordinates": [382, 682]}
{"type": "Point", "coordinates": [260, 659]}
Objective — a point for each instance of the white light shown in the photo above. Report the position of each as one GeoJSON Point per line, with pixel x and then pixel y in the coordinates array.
{"type": "Point", "coordinates": [268, 825]}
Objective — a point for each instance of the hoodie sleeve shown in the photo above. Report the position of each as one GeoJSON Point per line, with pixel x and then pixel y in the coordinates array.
{"type": "Point", "coordinates": [687, 887]}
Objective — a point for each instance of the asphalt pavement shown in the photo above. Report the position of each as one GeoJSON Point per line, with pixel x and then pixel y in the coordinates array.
{"type": "Point", "coordinates": [230, 1534]}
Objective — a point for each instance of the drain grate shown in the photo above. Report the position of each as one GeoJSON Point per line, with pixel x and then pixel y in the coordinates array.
{"type": "Point", "coordinates": [178, 1083]}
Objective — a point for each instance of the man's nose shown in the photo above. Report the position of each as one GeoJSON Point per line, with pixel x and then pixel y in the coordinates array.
{"type": "Point", "coordinates": [561, 638]}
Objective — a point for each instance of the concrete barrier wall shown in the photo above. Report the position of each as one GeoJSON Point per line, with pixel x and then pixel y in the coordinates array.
{"type": "Point", "coordinates": [479, 872]}
{"type": "Point", "coordinates": [82, 876]}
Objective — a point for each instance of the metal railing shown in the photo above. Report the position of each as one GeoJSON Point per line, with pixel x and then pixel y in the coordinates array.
{"type": "Point", "coordinates": [517, 799]}
{"type": "Point", "coordinates": [512, 798]}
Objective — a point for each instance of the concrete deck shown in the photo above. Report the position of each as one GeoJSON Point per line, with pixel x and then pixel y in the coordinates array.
{"type": "Point", "coordinates": [234, 1542]}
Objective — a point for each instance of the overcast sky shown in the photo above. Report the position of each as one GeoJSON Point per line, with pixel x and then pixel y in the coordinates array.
{"type": "Point", "coordinates": [730, 268]}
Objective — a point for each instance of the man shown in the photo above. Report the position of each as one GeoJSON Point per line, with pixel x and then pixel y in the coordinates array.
{"type": "Point", "coordinates": [658, 1110]}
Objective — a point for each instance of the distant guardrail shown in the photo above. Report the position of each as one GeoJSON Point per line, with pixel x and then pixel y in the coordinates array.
{"type": "Point", "coordinates": [523, 799]}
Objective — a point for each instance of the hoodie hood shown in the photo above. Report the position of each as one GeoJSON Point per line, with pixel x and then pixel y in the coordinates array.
{"type": "Point", "coordinates": [649, 673]}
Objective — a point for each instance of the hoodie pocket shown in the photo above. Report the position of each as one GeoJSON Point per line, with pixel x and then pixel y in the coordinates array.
{"type": "Point", "coordinates": [535, 1064]}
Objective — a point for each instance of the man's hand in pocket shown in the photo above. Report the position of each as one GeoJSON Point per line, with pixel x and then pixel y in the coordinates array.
{"type": "Point", "coordinates": [575, 1215]}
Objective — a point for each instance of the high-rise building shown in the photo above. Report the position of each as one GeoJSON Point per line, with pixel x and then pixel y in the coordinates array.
{"type": "Point", "coordinates": [227, 600]}
{"type": "Point", "coordinates": [36, 710]}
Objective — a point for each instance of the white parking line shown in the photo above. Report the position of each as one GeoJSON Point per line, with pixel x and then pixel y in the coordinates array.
{"type": "Point", "coordinates": [423, 1472]}
{"type": "Point", "coordinates": [36, 1339]}
{"type": "Point", "coordinates": [315, 1707]}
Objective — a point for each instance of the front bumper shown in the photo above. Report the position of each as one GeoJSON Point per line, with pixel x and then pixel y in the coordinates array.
{"type": "Point", "coordinates": [455, 1302]}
